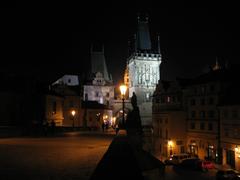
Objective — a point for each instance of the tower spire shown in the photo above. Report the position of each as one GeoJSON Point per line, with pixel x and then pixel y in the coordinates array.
{"type": "Point", "coordinates": [143, 35]}
{"type": "Point", "coordinates": [158, 39]}
{"type": "Point", "coordinates": [135, 43]}
{"type": "Point", "coordinates": [216, 66]}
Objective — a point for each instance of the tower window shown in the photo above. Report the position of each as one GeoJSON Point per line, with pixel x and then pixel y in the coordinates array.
{"type": "Point", "coordinates": [168, 99]}
{"type": "Point", "coordinates": [192, 126]}
{"type": "Point", "coordinates": [96, 94]}
{"type": "Point", "coordinates": [86, 97]}
{"type": "Point", "coordinates": [147, 96]}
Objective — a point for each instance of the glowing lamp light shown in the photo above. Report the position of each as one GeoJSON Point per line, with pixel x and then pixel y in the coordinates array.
{"type": "Point", "coordinates": [73, 112]}
{"type": "Point", "coordinates": [123, 89]}
{"type": "Point", "coordinates": [170, 143]}
{"type": "Point", "coordinates": [236, 148]}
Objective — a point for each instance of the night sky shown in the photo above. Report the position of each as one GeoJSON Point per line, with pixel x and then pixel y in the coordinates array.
{"type": "Point", "coordinates": [56, 37]}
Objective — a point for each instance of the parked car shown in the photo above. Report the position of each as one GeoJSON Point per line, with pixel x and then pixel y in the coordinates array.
{"type": "Point", "coordinates": [203, 164]}
{"type": "Point", "coordinates": [175, 159]}
{"type": "Point", "coordinates": [190, 163]}
{"type": "Point", "coordinates": [229, 174]}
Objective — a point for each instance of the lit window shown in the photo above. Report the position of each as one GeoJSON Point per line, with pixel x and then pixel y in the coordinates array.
{"type": "Point", "coordinates": [168, 99]}
{"type": "Point", "coordinates": [147, 96]}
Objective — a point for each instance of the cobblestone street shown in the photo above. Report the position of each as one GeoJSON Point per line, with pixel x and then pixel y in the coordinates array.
{"type": "Point", "coordinates": [74, 156]}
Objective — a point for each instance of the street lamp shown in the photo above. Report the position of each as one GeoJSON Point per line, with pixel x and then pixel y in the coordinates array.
{"type": "Point", "coordinates": [123, 89]}
{"type": "Point", "coordinates": [73, 112]}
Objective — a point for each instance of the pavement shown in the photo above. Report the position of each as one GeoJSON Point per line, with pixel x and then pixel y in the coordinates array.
{"type": "Point", "coordinates": [123, 161]}
{"type": "Point", "coordinates": [74, 156]}
{"type": "Point", "coordinates": [118, 162]}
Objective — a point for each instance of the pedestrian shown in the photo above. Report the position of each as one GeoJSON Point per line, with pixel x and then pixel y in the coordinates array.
{"type": "Point", "coordinates": [117, 129]}
{"type": "Point", "coordinates": [103, 126]}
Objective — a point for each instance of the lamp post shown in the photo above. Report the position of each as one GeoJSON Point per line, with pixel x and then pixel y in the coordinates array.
{"type": "Point", "coordinates": [123, 89]}
{"type": "Point", "coordinates": [73, 112]}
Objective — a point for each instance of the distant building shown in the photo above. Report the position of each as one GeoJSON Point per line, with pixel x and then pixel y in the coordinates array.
{"type": "Point", "coordinates": [143, 71]}
{"type": "Point", "coordinates": [99, 87]}
{"type": "Point", "coordinates": [203, 96]}
{"type": "Point", "coordinates": [169, 119]}
{"type": "Point", "coordinates": [199, 116]}
{"type": "Point", "coordinates": [71, 101]}
{"type": "Point", "coordinates": [98, 92]}
{"type": "Point", "coordinates": [69, 80]}
{"type": "Point", "coordinates": [95, 115]}
{"type": "Point", "coordinates": [229, 110]}
{"type": "Point", "coordinates": [54, 108]}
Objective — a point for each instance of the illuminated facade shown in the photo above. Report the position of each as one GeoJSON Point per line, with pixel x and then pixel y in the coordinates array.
{"type": "Point", "coordinates": [100, 87]}
{"type": "Point", "coordinates": [169, 119]}
{"type": "Point", "coordinates": [98, 92]}
{"type": "Point", "coordinates": [230, 128]}
{"type": "Point", "coordinates": [69, 80]}
{"type": "Point", "coordinates": [143, 71]}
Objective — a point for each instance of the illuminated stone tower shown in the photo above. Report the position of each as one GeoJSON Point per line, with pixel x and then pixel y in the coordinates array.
{"type": "Point", "coordinates": [143, 68]}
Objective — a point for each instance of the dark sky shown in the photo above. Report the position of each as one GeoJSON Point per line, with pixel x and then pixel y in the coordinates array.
{"type": "Point", "coordinates": [56, 36]}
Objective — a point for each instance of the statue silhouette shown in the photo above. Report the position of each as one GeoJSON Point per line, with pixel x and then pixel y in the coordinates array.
{"type": "Point", "coordinates": [133, 122]}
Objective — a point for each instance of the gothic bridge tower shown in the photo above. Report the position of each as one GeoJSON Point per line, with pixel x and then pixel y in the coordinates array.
{"type": "Point", "coordinates": [143, 69]}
